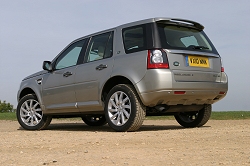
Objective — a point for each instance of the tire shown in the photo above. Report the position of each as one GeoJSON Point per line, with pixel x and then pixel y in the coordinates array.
{"type": "Point", "coordinates": [30, 115]}
{"type": "Point", "coordinates": [123, 109]}
{"type": "Point", "coordinates": [94, 120]}
{"type": "Point", "coordinates": [194, 119]}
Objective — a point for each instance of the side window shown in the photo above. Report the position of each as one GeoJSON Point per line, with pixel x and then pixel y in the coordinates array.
{"type": "Point", "coordinates": [134, 38]}
{"type": "Point", "coordinates": [70, 56]}
{"type": "Point", "coordinates": [100, 46]}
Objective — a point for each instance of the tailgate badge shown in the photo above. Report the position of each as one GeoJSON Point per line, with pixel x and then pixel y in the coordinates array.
{"type": "Point", "coordinates": [176, 63]}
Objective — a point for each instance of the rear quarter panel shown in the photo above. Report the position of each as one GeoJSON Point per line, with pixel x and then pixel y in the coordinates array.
{"type": "Point", "coordinates": [132, 66]}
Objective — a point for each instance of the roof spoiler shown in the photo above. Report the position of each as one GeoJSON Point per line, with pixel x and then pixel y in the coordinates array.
{"type": "Point", "coordinates": [182, 22]}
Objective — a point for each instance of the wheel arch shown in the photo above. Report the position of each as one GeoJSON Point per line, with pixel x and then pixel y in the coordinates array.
{"type": "Point", "coordinates": [113, 81]}
{"type": "Point", "coordinates": [26, 91]}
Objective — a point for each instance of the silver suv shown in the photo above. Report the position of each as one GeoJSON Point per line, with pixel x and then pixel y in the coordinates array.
{"type": "Point", "coordinates": [159, 66]}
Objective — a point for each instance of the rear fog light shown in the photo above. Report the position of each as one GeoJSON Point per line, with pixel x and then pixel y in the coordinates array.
{"type": "Point", "coordinates": [179, 92]}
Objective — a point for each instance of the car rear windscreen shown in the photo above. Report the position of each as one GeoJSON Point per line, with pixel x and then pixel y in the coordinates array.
{"type": "Point", "coordinates": [181, 37]}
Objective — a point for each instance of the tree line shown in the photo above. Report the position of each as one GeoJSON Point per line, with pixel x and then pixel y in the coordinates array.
{"type": "Point", "coordinates": [5, 107]}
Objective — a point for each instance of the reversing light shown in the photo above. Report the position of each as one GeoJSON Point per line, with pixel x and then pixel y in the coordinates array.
{"type": "Point", "coordinates": [157, 59]}
{"type": "Point", "coordinates": [157, 56]}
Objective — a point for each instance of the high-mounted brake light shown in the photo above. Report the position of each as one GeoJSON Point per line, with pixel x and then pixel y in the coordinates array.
{"type": "Point", "coordinates": [157, 59]}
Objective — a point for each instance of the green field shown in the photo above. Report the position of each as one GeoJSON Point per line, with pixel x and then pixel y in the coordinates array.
{"type": "Point", "coordinates": [229, 115]}
{"type": "Point", "coordinates": [8, 116]}
{"type": "Point", "coordinates": [225, 115]}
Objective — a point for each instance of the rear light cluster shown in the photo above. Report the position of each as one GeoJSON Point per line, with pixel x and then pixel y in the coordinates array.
{"type": "Point", "coordinates": [222, 67]}
{"type": "Point", "coordinates": [157, 59]}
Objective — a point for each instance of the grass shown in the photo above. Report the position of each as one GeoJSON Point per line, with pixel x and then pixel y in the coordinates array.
{"type": "Point", "coordinates": [8, 116]}
{"type": "Point", "coordinates": [230, 115]}
{"type": "Point", "coordinates": [226, 115]}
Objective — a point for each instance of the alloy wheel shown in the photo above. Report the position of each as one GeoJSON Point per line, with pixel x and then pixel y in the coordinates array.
{"type": "Point", "coordinates": [31, 114]}
{"type": "Point", "coordinates": [119, 108]}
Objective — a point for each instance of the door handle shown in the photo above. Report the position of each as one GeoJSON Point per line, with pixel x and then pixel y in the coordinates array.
{"type": "Point", "coordinates": [67, 74]}
{"type": "Point", "coordinates": [101, 66]}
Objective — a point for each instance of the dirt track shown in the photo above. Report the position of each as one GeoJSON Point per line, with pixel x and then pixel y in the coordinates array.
{"type": "Point", "coordinates": [158, 142]}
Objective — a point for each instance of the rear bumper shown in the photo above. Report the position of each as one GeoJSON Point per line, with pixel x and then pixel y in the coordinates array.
{"type": "Point", "coordinates": [159, 87]}
{"type": "Point", "coordinates": [189, 98]}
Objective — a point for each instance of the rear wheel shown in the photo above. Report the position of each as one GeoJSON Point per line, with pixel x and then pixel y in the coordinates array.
{"type": "Point", "coordinates": [194, 119]}
{"type": "Point", "coordinates": [123, 109]}
{"type": "Point", "coordinates": [30, 115]}
{"type": "Point", "coordinates": [94, 120]}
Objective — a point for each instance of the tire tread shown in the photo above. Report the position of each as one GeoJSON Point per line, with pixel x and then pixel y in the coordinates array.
{"type": "Point", "coordinates": [140, 114]}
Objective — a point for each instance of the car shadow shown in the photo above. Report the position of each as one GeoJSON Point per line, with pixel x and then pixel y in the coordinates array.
{"type": "Point", "coordinates": [77, 127]}
{"type": "Point", "coordinates": [106, 128]}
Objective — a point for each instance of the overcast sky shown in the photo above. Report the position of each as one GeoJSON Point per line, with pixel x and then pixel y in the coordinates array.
{"type": "Point", "coordinates": [32, 31]}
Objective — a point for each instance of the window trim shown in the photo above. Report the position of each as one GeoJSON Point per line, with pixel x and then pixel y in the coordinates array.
{"type": "Point", "coordinates": [111, 36]}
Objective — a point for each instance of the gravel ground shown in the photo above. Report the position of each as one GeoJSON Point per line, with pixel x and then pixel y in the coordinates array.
{"type": "Point", "coordinates": [158, 142]}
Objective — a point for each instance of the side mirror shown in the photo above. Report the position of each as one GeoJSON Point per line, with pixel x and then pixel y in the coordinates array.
{"type": "Point", "coordinates": [47, 66]}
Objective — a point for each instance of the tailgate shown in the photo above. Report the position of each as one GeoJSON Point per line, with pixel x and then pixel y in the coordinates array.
{"type": "Point", "coordinates": [194, 66]}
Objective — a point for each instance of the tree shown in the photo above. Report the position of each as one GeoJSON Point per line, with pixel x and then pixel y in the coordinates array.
{"type": "Point", "coordinates": [5, 107]}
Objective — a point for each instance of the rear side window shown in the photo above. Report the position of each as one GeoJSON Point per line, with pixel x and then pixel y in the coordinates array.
{"type": "Point", "coordinates": [180, 37]}
{"type": "Point", "coordinates": [100, 47]}
{"type": "Point", "coordinates": [134, 38]}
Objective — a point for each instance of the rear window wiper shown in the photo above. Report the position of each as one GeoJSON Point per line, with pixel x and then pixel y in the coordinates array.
{"type": "Point", "coordinates": [197, 47]}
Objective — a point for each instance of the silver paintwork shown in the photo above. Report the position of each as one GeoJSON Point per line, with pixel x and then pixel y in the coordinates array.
{"type": "Point", "coordinates": [82, 90]}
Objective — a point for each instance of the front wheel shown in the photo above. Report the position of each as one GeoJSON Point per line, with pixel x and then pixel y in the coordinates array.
{"type": "Point", "coordinates": [123, 109]}
{"type": "Point", "coordinates": [30, 115]}
{"type": "Point", "coordinates": [194, 119]}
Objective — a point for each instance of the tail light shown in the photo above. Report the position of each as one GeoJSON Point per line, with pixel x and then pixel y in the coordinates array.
{"type": "Point", "coordinates": [222, 67]}
{"type": "Point", "coordinates": [157, 59]}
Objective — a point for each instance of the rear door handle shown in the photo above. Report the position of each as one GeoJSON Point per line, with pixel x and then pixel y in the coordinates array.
{"type": "Point", "coordinates": [101, 66]}
{"type": "Point", "coordinates": [67, 74]}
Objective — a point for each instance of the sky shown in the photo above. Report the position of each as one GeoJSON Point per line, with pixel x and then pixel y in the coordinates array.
{"type": "Point", "coordinates": [32, 31]}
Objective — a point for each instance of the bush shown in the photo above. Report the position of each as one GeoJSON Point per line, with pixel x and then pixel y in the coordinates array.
{"type": "Point", "coordinates": [5, 107]}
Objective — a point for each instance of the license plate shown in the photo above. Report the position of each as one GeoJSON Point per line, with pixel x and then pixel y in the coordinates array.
{"type": "Point", "coordinates": [197, 61]}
